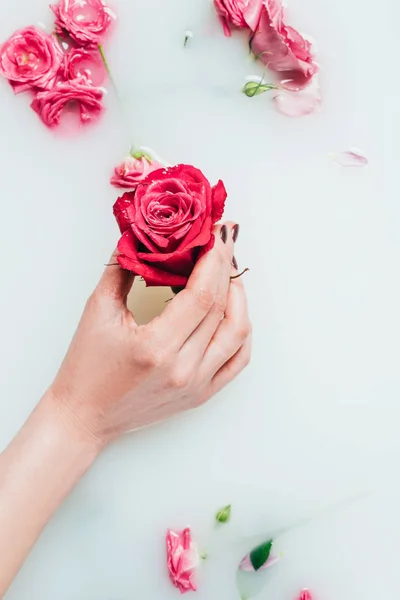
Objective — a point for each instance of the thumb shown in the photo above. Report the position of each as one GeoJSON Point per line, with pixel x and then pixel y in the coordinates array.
{"type": "Point", "coordinates": [116, 282]}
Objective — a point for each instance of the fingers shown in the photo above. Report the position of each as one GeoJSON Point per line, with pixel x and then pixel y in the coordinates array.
{"type": "Point", "coordinates": [115, 283]}
{"type": "Point", "coordinates": [232, 333]}
{"type": "Point", "coordinates": [198, 342]}
{"type": "Point", "coordinates": [204, 293]}
{"type": "Point", "coordinates": [232, 368]}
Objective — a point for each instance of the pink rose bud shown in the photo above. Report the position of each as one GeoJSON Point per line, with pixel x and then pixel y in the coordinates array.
{"type": "Point", "coordinates": [50, 105]}
{"type": "Point", "coordinates": [84, 64]}
{"type": "Point", "coordinates": [30, 59]}
{"type": "Point", "coordinates": [305, 595]}
{"type": "Point", "coordinates": [182, 560]}
{"type": "Point", "coordinates": [133, 170]}
{"type": "Point", "coordinates": [86, 21]}
{"type": "Point", "coordinates": [231, 12]}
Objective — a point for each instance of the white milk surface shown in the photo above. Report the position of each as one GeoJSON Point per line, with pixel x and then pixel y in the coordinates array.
{"type": "Point", "coordinates": [314, 420]}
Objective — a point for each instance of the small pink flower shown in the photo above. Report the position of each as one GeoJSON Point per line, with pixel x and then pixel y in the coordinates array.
{"type": "Point", "coordinates": [182, 560]}
{"type": "Point", "coordinates": [49, 105]}
{"type": "Point", "coordinates": [86, 21]}
{"type": "Point", "coordinates": [30, 59]}
{"type": "Point", "coordinates": [132, 171]}
{"type": "Point", "coordinates": [305, 595]}
{"type": "Point", "coordinates": [230, 13]}
{"type": "Point", "coordinates": [87, 64]}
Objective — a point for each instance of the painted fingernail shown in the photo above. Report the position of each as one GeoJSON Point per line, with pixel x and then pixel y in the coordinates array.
{"type": "Point", "coordinates": [235, 232]}
{"type": "Point", "coordinates": [224, 233]}
{"type": "Point", "coordinates": [234, 263]}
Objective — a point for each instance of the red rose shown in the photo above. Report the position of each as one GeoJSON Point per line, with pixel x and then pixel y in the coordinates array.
{"type": "Point", "coordinates": [167, 224]}
{"type": "Point", "coordinates": [50, 105]}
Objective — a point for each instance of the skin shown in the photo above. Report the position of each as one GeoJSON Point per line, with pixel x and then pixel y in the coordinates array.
{"type": "Point", "coordinates": [117, 377]}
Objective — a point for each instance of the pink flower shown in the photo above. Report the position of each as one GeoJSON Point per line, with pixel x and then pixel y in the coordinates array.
{"type": "Point", "coordinates": [230, 13]}
{"type": "Point", "coordinates": [278, 45]}
{"type": "Point", "coordinates": [87, 64]}
{"type": "Point", "coordinates": [305, 595]}
{"type": "Point", "coordinates": [132, 171]}
{"type": "Point", "coordinates": [49, 105]}
{"type": "Point", "coordinates": [30, 59]}
{"type": "Point", "coordinates": [182, 560]}
{"type": "Point", "coordinates": [86, 21]}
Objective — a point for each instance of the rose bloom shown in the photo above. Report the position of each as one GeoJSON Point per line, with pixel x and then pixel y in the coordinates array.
{"type": "Point", "coordinates": [132, 171]}
{"type": "Point", "coordinates": [88, 64]}
{"type": "Point", "coordinates": [49, 105]}
{"type": "Point", "coordinates": [231, 12]}
{"type": "Point", "coordinates": [86, 21]}
{"type": "Point", "coordinates": [279, 46]}
{"type": "Point", "coordinates": [30, 59]}
{"type": "Point", "coordinates": [167, 224]}
{"type": "Point", "coordinates": [182, 560]}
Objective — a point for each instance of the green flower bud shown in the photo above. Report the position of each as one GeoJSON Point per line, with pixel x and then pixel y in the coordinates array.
{"type": "Point", "coordinates": [224, 515]}
{"type": "Point", "coordinates": [254, 88]}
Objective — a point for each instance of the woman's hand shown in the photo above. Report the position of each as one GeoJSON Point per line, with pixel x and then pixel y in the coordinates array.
{"type": "Point", "coordinates": [119, 376]}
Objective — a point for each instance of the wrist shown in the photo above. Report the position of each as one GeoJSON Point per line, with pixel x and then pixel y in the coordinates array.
{"type": "Point", "coordinates": [73, 418]}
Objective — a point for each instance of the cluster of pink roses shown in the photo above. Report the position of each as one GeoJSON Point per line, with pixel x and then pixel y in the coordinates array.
{"type": "Point", "coordinates": [63, 68]}
{"type": "Point", "coordinates": [280, 47]}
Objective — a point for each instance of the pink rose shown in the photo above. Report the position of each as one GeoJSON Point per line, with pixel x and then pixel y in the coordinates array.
{"type": "Point", "coordinates": [230, 13]}
{"type": "Point", "coordinates": [305, 595]}
{"type": "Point", "coordinates": [167, 224]}
{"type": "Point", "coordinates": [87, 64]}
{"type": "Point", "coordinates": [86, 21]}
{"type": "Point", "coordinates": [132, 171]}
{"type": "Point", "coordinates": [49, 105]}
{"type": "Point", "coordinates": [30, 59]}
{"type": "Point", "coordinates": [279, 46]}
{"type": "Point", "coordinates": [182, 560]}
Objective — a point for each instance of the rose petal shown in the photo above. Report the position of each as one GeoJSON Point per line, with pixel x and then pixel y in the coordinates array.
{"type": "Point", "coordinates": [153, 276]}
{"type": "Point", "coordinates": [301, 103]}
{"type": "Point", "coordinates": [351, 158]}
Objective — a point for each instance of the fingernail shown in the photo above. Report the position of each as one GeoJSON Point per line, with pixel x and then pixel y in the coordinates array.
{"type": "Point", "coordinates": [235, 232]}
{"type": "Point", "coordinates": [224, 233]}
{"type": "Point", "coordinates": [234, 263]}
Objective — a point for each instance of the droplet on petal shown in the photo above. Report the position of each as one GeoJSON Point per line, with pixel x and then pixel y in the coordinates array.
{"type": "Point", "coordinates": [351, 158]}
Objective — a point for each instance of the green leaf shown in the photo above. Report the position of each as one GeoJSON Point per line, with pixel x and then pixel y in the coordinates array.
{"type": "Point", "coordinates": [260, 554]}
{"type": "Point", "coordinates": [254, 88]}
{"type": "Point", "coordinates": [138, 155]}
{"type": "Point", "coordinates": [224, 514]}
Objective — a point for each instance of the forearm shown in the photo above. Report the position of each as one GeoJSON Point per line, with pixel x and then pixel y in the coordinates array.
{"type": "Point", "coordinates": [37, 471]}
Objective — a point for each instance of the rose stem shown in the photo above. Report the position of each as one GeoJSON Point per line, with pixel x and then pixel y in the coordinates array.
{"type": "Point", "coordinates": [107, 66]}
{"type": "Point", "coordinates": [240, 274]}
